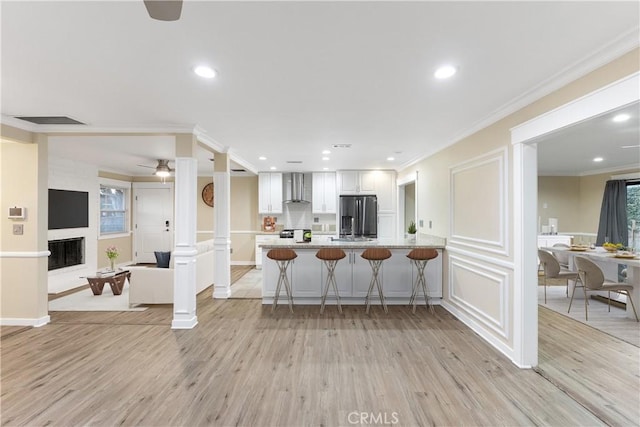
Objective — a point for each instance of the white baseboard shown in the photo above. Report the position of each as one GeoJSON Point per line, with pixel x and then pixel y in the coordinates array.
{"type": "Point", "coordinates": [17, 321]}
{"type": "Point", "coordinates": [475, 327]}
{"type": "Point", "coordinates": [243, 263]}
{"type": "Point", "coordinates": [184, 323]}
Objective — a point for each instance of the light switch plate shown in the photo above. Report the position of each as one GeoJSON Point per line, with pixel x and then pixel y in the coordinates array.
{"type": "Point", "coordinates": [18, 229]}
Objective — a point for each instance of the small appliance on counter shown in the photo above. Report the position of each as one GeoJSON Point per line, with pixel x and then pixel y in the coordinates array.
{"type": "Point", "coordinates": [269, 223]}
{"type": "Point", "coordinates": [299, 235]}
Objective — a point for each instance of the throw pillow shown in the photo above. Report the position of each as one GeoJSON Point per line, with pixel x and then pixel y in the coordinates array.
{"type": "Point", "coordinates": [162, 259]}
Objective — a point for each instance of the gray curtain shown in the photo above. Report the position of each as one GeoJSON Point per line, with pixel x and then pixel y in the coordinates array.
{"type": "Point", "coordinates": [613, 214]}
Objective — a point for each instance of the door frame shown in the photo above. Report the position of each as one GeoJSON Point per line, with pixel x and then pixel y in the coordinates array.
{"type": "Point", "coordinates": [525, 204]}
{"type": "Point", "coordinates": [134, 209]}
{"type": "Point", "coordinates": [401, 183]}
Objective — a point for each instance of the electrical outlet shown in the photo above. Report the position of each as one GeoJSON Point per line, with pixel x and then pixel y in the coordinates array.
{"type": "Point", "coordinates": [231, 249]}
{"type": "Point", "coordinates": [430, 224]}
{"type": "Point", "coordinates": [18, 229]}
{"type": "Point", "coordinates": [421, 223]}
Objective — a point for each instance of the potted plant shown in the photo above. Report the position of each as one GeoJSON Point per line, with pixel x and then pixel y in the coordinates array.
{"type": "Point", "coordinates": [411, 230]}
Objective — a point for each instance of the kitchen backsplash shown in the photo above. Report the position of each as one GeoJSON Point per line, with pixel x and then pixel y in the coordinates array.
{"type": "Point", "coordinates": [298, 215]}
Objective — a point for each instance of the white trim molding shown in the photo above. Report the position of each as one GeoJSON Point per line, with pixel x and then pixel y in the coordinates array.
{"type": "Point", "coordinates": [18, 321]}
{"type": "Point", "coordinates": [17, 254]}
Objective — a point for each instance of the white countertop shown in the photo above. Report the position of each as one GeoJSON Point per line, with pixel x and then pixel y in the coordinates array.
{"type": "Point", "coordinates": [422, 241]}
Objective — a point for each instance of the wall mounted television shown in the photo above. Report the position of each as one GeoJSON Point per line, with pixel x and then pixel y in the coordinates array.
{"type": "Point", "coordinates": [68, 209]}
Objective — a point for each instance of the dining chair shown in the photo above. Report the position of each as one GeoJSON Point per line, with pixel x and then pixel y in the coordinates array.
{"type": "Point", "coordinates": [552, 270]}
{"type": "Point", "coordinates": [592, 279]}
{"type": "Point", "coordinates": [562, 257]}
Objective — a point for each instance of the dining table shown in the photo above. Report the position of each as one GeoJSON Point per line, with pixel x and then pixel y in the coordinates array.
{"type": "Point", "coordinates": [608, 262]}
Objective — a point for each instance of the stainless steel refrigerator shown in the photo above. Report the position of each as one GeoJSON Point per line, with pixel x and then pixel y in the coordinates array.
{"type": "Point", "coordinates": [358, 216]}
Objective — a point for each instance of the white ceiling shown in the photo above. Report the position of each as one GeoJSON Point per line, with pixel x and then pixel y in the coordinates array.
{"type": "Point", "coordinates": [294, 77]}
{"type": "Point", "coordinates": [570, 151]}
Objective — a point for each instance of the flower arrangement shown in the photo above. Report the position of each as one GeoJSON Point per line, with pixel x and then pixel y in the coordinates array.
{"type": "Point", "coordinates": [112, 254]}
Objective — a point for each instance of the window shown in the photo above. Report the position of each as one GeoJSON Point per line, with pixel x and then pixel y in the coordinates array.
{"type": "Point", "coordinates": [114, 213]}
{"type": "Point", "coordinates": [633, 213]}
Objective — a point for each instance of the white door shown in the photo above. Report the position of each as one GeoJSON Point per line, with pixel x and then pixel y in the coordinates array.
{"type": "Point", "coordinates": [154, 222]}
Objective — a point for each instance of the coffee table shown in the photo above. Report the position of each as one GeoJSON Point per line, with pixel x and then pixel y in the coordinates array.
{"type": "Point", "coordinates": [115, 280]}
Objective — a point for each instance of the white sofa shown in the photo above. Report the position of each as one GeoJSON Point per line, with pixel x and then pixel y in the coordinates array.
{"type": "Point", "coordinates": [151, 285]}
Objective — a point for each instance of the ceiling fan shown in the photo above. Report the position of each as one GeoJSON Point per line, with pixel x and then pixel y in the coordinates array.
{"type": "Point", "coordinates": [162, 169]}
{"type": "Point", "coordinates": [164, 10]}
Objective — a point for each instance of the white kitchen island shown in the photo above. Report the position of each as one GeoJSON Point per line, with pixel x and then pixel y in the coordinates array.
{"type": "Point", "coordinates": [308, 275]}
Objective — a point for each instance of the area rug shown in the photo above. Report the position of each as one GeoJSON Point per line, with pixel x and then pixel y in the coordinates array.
{"type": "Point", "coordinates": [84, 300]}
{"type": "Point", "coordinates": [249, 286]}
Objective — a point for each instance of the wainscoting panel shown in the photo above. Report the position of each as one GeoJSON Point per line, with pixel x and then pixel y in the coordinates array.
{"type": "Point", "coordinates": [479, 217]}
{"type": "Point", "coordinates": [482, 291]}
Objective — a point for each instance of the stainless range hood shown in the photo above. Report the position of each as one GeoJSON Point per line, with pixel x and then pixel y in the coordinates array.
{"type": "Point", "coordinates": [295, 188]}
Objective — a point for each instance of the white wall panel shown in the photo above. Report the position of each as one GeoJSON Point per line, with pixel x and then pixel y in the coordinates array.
{"type": "Point", "coordinates": [479, 216]}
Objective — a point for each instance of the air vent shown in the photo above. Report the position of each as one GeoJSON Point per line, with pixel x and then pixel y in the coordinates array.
{"type": "Point", "coordinates": [341, 145]}
{"type": "Point", "coordinates": [238, 170]}
{"type": "Point", "coordinates": [50, 120]}
{"type": "Point", "coordinates": [294, 161]}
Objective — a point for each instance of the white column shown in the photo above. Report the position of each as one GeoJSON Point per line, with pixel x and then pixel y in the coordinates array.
{"type": "Point", "coordinates": [184, 254]}
{"type": "Point", "coordinates": [222, 232]}
{"type": "Point", "coordinates": [525, 289]}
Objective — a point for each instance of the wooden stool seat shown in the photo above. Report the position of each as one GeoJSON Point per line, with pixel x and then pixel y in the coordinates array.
{"type": "Point", "coordinates": [330, 257]}
{"type": "Point", "coordinates": [283, 257]}
{"type": "Point", "coordinates": [282, 254]}
{"type": "Point", "coordinates": [375, 256]}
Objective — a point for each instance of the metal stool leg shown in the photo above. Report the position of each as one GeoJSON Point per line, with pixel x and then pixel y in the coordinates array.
{"type": "Point", "coordinates": [375, 267]}
{"type": "Point", "coordinates": [331, 281]}
{"type": "Point", "coordinates": [283, 265]}
{"type": "Point", "coordinates": [420, 282]}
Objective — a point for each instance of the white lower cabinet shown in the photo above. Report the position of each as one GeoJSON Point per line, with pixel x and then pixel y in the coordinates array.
{"type": "Point", "coordinates": [261, 239]}
{"type": "Point", "coordinates": [305, 272]}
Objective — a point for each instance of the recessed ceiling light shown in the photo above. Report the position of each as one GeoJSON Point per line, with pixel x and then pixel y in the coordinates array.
{"type": "Point", "coordinates": [204, 71]}
{"type": "Point", "coordinates": [598, 159]}
{"type": "Point", "coordinates": [272, 168]}
{"type": "Point", "coordinates": [630, 146]}
{"type": "Point", "coordinates": [391, 159]}
{"type": "Point", "coordinates": [325, 158]}
{"type": "Point", "coordinates": [325, 169]}
{"type": "Point", "coordinates": [262, 158]}
{"type": "Point", "coordinates": [445, 72]}
{"type": "Point", "coordinates": [326, 152]}
{"type": "Point", "coordinates": [621, 118]}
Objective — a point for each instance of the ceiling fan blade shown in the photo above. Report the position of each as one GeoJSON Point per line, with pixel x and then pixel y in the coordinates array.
{"type": "Point", "coordinates": [164, 10]}
{"type": "Point", "coordinates": [147, 166]}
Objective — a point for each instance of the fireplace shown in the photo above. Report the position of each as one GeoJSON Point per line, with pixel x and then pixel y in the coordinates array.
{"type": "Point", "coordinates": [66, 253]}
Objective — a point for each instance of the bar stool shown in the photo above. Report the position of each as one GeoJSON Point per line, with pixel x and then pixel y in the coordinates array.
{"type": "Point", "coordinates": [330, 257]}
{"type": "Point", "coordinates": [283, 257]}
{"type": "Point", "coordinates": [375, 256]}
{"type": "Point", "coordinates": [419, 258]}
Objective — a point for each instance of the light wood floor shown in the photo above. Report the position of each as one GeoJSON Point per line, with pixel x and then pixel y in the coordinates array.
{"type": "Point", "coordinates": [614, 322]}
{"type": "Point", "coordinates": [243, 365]}
{"type": "Point", "coordinates": [598, 370]}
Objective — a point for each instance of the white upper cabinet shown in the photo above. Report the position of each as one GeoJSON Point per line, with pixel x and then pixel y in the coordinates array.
{"type": "Point", "coordinates": [385, 189]}
{"type": "Point", "coordinates": [324, 193]}
{"type": "Point", "coordinates": [270, 193]}
{"type": "Point", "coordinates": [380, 183]}
{"type": "Point", "coordinates": [357, 182]}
